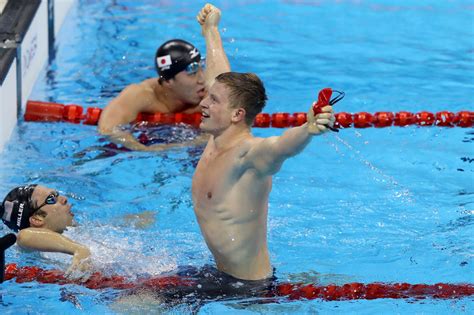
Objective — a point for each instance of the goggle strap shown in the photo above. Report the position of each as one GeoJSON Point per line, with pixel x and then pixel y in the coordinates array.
{"type": "Point", "coordinates": [336, 99]}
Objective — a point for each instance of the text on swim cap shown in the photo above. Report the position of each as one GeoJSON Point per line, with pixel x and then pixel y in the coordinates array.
{"type": "Point", "coordinates": [20, 213]}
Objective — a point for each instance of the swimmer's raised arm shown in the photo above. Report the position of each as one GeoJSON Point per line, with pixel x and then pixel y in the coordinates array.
{"type": "Point", "coordinates": [45, 240]}
{"type": "Point", "coordinates": [267, 155]}
{"type": "Point", "coordinates": [216, 59]}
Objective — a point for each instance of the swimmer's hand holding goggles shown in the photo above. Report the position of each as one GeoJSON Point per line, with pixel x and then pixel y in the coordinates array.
{"type": "Point", "coordinates": [324, 99]}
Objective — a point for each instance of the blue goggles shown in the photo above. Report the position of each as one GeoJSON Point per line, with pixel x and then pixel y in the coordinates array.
{"type": "Point", "coordinates": [50, 200]}
{"type": "Point", "coordinates": [193, 67]}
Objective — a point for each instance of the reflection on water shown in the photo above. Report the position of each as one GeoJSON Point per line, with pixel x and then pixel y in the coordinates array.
{"type": "Point", "coordinates": [146, 134]}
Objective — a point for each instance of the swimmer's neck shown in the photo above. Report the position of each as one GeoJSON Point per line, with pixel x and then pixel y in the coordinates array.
{"type": "Point", "coordinates": [231, 137]}
{"type": "Point", "coordinates": [169, 99]}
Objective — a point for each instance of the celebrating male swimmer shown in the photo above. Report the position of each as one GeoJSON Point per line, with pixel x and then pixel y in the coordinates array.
{"type": "Point", "coordinates": [41, 215]}
{"type": "Point", "coordinates": [233, 178]}
{"type": "Point", "coordinates": [181, 85]}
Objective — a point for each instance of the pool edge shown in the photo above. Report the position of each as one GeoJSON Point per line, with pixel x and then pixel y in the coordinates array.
{"type": "Point", "coordinates": [24, 49]}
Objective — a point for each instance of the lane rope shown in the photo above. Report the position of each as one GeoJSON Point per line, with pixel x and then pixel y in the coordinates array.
{"type": "Point", "coordinates": [55, 112]}
{"type": "Point", "coordinates": [292, 291]}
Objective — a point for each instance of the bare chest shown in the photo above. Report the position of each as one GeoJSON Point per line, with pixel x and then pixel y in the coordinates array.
{"type": "Point", "coordinates": [213, 178]}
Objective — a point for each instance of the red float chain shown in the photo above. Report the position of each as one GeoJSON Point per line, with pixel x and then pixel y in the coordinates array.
{"type": "Point", "coordinates": [293, 291]}
{"type": "Point", "coordinates": [44, 111]}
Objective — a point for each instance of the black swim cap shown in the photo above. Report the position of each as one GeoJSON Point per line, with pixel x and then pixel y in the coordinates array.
{"type": "Point", "coordinates": [173, 56]}
{"type": "Point", "coordinates": [17, 207]}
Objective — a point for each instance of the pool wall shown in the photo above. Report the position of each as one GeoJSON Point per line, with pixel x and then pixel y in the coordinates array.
{"type": "Point", "coordinates": [27, 32]}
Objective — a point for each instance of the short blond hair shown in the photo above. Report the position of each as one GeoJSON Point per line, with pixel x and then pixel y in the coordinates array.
{"type": "Point", "coordinates": [246, 91]}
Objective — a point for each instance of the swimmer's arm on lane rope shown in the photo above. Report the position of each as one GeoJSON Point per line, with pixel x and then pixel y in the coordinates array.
{"type": "Point", "coordinates": [124, 108]}
{"type": "Point", "coordinates": [268, 155]}
{"type": "Point", "coordinates": [216, 58]}
{"type": "Point", "coordinates": [45, 240]}
{"type": "Point", "coordinates": [126, 139]}
{"type": "Point", "coordinates": [120, 112]}
{"type": "Point", "coordinates": [199, 140]}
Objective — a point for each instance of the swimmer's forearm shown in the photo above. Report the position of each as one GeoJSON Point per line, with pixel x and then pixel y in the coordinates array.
{"type": "Point", "coordinates": [292, 141]}
{"type": "Point", "coordinates": [48, 241]}
{"type": "Point", "coordinates": [217, 61]}
{"type": "Point", "coordinates": [127, 140]}
{"type": "Point", "coordinates": [199, 140]}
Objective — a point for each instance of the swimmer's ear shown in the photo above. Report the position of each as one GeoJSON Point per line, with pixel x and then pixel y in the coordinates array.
{"type": "Point", "coordinates": [238, 115]}
{"type": "Point", "coordinates": [36, 220]}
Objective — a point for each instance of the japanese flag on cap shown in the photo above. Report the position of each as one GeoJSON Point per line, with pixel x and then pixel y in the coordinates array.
{"type": "Point", "coordinates": [164, 62]}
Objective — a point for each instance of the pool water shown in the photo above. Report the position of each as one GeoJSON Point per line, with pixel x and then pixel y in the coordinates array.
{"type": "Point", "coordinates": [366, 205]}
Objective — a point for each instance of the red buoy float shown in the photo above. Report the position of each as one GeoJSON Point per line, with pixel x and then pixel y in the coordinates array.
{"type": "Point", "coordinates": [43, 111]}
{"type": "Point", "coordinates": [72, 113]}
{"type": "Point", "coordinates": [464, 119]}
{"type": "Point", "coordinates": [425, 118]}
{"type": "Point", "coordinates": [445, 119]}
{"type": "Point", "coordinates": [281, 120]}
{"type": "Point", "coordinates": [92, 116]}
{"type": "Point", "coordinates": [298, 119]}
{"type": "Point", "coordinates": [404, 119]}
{"type": "Point", "coordinates": [262, 120]}
{"type": "Point", "coordinates": [382, 119]}
{"type": "Point", "coordinates": [343, 120]}
{"type": "Point", "coordinates": [362, 120]}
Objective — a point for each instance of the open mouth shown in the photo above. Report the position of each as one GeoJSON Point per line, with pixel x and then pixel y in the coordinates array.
{"type": "Point", "coordinates": [201, 92]}
{"type": "Point", "coordinates": [204, 115]}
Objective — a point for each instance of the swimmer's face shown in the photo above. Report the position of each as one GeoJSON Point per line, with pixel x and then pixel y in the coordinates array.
{"type": "Point", "coordinates": [58, 214]}
{"type": "Point", "coordinates": [189, 88]}
{"type": "Point", "coordinates": [216, 110]}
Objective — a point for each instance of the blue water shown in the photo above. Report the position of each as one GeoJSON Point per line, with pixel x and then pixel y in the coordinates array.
{"type": "Point", "coordinates": [392, 204]}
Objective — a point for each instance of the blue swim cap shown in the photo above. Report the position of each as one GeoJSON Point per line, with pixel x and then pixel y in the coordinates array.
{"type": "Point", "coordinates": [173, 56]}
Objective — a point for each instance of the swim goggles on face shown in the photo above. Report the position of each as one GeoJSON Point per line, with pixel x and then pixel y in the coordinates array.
{"type": "Point", "coordinates": [50, 200]}
{"type": "Point", "coordinates": [193, 67]}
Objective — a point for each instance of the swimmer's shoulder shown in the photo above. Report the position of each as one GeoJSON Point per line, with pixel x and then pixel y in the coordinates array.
{"type": "Point", "coordinates": [151, 83]}
{"type": "Point", "coordinates": [141, 89]}
{"type": "Point", "coordinates": [129, 93]}
{"type": "Point", "coordinates": [144, 88]}
{"type": "Point", "coordinates": [247, 145]}
{"type": "Point", "coordinates": [24, 237]}
{"type": "Point", "coordinates": [140, 96]}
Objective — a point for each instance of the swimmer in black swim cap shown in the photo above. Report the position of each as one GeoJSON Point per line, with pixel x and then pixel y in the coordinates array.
{"type": "Point", "coordinates": [41, 214]}
{"type": "Point", "coordinates": [175, 56]}
{"type": "Point", "coordinates": [17, 208]}
{"type": "Point", "coordinates": [181, 85]}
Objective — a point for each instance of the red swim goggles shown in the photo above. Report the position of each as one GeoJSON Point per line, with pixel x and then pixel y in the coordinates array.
{"type": "Point", "coordinates": [324, 99]}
